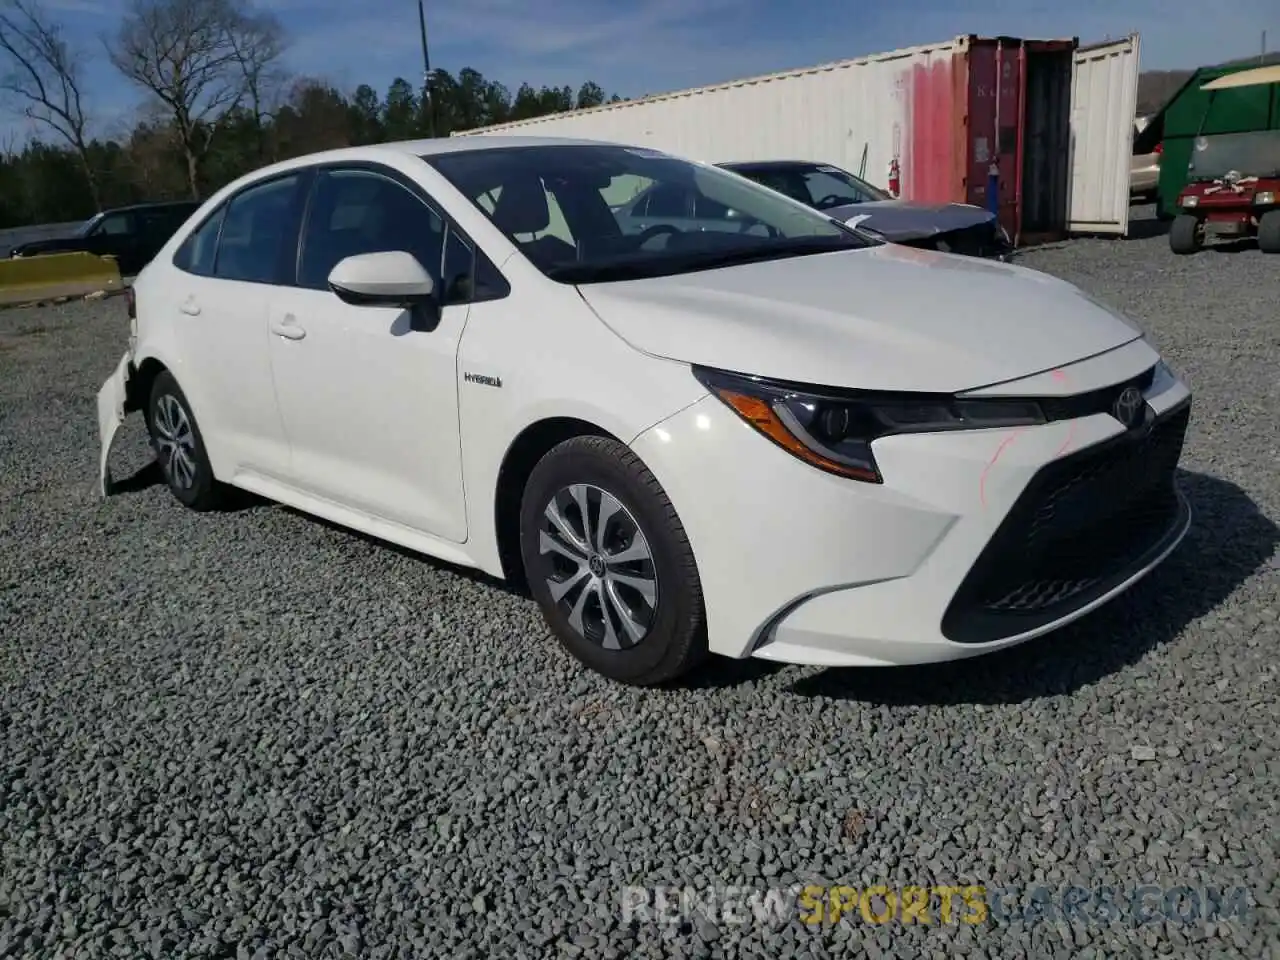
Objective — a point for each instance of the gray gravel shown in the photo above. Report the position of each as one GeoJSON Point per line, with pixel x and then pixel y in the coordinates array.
{"type": "Point", "coordinates": [253, 735]}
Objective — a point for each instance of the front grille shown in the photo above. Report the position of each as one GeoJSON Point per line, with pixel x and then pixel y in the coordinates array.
{"type": "Point", "coordinates": [1095, 401]}
{"type": "Point", "coordinates": [1082, 525]}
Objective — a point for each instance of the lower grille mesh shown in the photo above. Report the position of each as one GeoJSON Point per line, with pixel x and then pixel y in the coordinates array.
{"type": "Point", "coordinates": [1080, 527]}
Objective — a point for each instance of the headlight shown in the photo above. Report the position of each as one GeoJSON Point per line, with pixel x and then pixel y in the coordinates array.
{"type": "Point", "coordinates": [1264, 198]}
{"type": "Point", "coordinates": [833, 429]}
{"type": "Point", "coordinates": [1190, 201]}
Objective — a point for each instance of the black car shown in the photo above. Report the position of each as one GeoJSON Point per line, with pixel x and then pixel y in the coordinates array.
{"type": "Point", "coordinates": [950, 227]}
{"type": "Point", "coordinates": [133, 235]}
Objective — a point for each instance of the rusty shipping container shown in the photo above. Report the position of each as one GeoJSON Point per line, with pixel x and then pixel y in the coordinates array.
{"type": "Point", "coordinates": [1042, 129]}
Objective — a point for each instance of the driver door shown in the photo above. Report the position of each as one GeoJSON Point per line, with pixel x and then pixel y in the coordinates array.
{"type": "Point", "coordinates": [370, 406]}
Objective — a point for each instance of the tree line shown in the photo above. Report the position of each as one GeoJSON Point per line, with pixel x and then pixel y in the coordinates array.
{"type": "Point", "coordinates": [218, 103]}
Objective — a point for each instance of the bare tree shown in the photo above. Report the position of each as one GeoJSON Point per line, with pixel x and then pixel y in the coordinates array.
{"type": "Point", "coordinates": [191, 55]}
{"type": "Point", "coordinates": [44, 78]}
{"type": "Point", "coordinates": [257, 46]}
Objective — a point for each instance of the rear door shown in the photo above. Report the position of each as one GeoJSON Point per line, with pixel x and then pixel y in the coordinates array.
{"type": "Point", "coordinates": [1104, 96]}
{"type": "Point", "coordinates": [217, 302]}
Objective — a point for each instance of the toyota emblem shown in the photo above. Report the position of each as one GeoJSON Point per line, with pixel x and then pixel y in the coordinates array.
{"type": "Point", "coordinates": [1128, 407]}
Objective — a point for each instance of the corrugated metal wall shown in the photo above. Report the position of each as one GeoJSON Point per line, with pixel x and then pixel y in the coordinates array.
{"type": "Point", "coordinates": [897, 104]}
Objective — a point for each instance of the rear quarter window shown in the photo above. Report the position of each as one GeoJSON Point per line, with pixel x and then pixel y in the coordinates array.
{"type": "Point", "coordinates": [198, 252]}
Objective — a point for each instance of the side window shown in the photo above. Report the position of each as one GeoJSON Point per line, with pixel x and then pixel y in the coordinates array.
{"type": "Point", "coordinates": [704, 208]}
{"type": "Point", "coordinates": [623, 194]}
{"type": "Point", "coordinates": [468, 275]}
{"type": "Point", "coordinates": [669, 200]}
{"type": "Point", "coordinates": [557, 225]}
{"type": "Point", "coordinates": [197, 252]}
{"type": "Point", "coordinates": [822, 185]}
{"type": "Point", "coordinates": [113, 225]}
{"type": "Point", "coordinates": [254, 227]}
{"type": "Point", "coordinates": [358, 211]}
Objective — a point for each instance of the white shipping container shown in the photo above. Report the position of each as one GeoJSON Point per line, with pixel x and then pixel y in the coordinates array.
{"type": "Point", "coordinates": [1104, 100]}
{"type": "Point", "coordinates": [912, 106]}
{"type": "Point", "coordinates": [835, 113]}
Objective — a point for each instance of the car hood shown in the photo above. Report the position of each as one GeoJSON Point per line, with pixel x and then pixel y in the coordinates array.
{"type": "Point", "coordinates": [904, 220]}
{"type": "Point", "coordinates": [887, 317]}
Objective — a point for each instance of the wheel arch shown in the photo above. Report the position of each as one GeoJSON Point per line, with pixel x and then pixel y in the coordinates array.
{"type": "Point", "coordinates": [529, 446]}
{"type": "Point", "coordinates": [138, 389]}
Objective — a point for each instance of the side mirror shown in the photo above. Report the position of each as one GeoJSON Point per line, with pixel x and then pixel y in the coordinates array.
{"type": "Point", "coordinates": [391, 278]}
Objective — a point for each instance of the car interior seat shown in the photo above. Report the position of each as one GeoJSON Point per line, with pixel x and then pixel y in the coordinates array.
{"type": "Point", "coordinates": [521, 209]}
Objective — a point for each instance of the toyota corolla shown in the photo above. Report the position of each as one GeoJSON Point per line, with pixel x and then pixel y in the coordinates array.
{"type": "Point", "coordinates": [779, 438]}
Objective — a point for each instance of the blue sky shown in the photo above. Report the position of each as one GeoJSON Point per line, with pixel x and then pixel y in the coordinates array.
{"type": "Point", "coordinates": [635, 47]}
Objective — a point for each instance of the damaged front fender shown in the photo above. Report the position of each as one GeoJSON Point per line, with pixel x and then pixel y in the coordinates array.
{"type": "Point", "coordinates": [113, 407]}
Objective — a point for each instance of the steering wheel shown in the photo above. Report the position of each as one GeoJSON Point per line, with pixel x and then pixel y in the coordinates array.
{"type": "Point", "coordinates": [747, 222]}
{"type": "Point", "coordinates": [655, 231]}
{"type": "Point", "coordinates": [832, 200]}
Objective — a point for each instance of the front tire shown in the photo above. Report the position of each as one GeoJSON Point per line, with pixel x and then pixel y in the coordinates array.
{"type": "Point", "coordinates": [179, 446]}
{"type": "Point", "coordinates": [1269, 232]}
{"type": "Point", "coordinates": [608, 561]}
{"type": "Point", "coordinates": [1186, 235]}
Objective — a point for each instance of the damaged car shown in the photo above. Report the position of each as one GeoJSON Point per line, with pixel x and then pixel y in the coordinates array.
{"type": "Point", "coordinates": [790, 441]}
{"type": "Point", "coordinates": [960, 228]}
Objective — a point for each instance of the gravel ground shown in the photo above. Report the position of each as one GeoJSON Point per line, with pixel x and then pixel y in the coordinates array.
{"type": "Point", "coordinates": [254, 735]}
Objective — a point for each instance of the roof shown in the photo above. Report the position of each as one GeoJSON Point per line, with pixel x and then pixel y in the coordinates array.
{"type": "Point", "coordinates": [769, 164]}
{"type": "Point", "coordinates": [415, 148]}
{"type": "Point", "coordinates": [151, 205]}
{"type": "Point", "coordinates": [1260, 76]}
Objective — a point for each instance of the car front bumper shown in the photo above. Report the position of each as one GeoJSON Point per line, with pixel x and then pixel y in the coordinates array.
{"type": "Point", "coordinates": [977, 540]}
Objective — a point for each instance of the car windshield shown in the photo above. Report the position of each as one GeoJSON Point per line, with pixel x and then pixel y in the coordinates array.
{"type": "Point", "coordinates": [84, 228]}
{"type": "Point", "coordinates": [818, 185]}
{"type": "Point", "coordinates": [593, 213]}
{"type": "Point", "coordinates": [1248, 154]}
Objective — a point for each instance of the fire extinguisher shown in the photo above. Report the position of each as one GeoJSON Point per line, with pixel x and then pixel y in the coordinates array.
{"type": "Point", "coordinates": [895, 183]}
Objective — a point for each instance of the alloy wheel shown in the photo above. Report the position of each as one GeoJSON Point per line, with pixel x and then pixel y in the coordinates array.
{"type": "Point", "coordinates": [598, 566]}
{"type": "Point", "coordinates": [175, 442]}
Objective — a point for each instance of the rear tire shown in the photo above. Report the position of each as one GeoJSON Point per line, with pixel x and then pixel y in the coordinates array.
{"type": "Point", "coordinates": [623, 595]}
{"type": "Point", "coordinates": [1269, 232]}
{"type": "Point", "coordinates": [1186, 235]}
{"type": "Point", "coordinates": [179, 447]}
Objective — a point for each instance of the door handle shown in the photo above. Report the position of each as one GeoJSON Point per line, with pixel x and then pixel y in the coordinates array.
{"type": "Point", "coordinates": [190, 307]}
{"type": "Point", "coordinates": [288, 328]}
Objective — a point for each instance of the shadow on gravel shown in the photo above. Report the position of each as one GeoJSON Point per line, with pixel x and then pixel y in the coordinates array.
{"type": "Point", "coordinates": [1242, 245]}
{"type": "Point", "coordinates": [1229, 540]}
{"type": "Point", "coordinates": [150, 476]}
{"type": "Point", "coordinates": [723, 673]}
{"type": "Point", "coordinates": [1145, 229]}
{"type": "Point", "coordinates": [469, 573]}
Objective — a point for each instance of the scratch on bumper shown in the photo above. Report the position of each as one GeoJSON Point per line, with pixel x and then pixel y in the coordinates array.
{"type": "Point", "coordinates": [111, 413]}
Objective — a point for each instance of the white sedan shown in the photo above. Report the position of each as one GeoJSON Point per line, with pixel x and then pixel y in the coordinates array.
{"type": "Point", "coordinates": [789, 440]}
